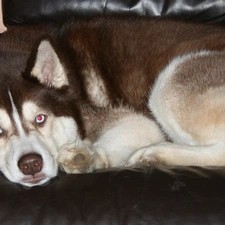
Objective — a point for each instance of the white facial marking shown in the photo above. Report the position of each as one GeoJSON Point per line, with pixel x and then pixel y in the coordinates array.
{"type": "Point", "coordinates": [5, 122]}
{"type": "Point", "coordinates": [5, 126]}
{"type": "Point", "coordinates": [16, 117]}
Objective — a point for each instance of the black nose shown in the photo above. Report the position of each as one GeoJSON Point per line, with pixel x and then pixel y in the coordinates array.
{"type": "Point", "coordinates": [30, 164]}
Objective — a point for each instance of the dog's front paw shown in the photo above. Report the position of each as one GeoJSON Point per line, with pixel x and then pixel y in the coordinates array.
{"type": "Point", "coordinates": [75, 161]}
{"type": "Point", "coordinates": [151, 155]}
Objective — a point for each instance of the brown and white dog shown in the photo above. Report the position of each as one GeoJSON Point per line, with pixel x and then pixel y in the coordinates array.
{"type": "Point", "coordinates": [110, 92]}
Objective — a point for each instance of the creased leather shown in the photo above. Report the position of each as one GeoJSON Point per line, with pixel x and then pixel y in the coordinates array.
{"type": "Point", "coordinates": [150, 197]}
{"type": "Point", "coordinates": [38, 11]}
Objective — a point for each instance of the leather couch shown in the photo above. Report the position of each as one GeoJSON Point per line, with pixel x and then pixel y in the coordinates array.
{"type": "Point", "coordinates": [148, 196]}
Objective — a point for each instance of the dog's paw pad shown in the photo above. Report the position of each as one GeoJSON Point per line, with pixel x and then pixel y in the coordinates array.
{"type": "Point", "coordinates": [79, 158]}
{"type": "Point", "coordinates": [75, 161]}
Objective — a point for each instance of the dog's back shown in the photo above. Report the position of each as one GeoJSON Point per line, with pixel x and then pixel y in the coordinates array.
{"type": "Point", "coordinates": [126, 55]}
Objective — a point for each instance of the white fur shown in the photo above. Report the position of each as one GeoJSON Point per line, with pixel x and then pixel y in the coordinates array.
{"type": "Point", "coordinates": [160, 106]}
{"type": "Point", "coordinates": [130, 133]}
{"type": "Point", "coordinates": [48, 68]}
{"type": "Point", "coordinates": [4, 120]}
{"type": "Point", "coordinates": [181, 155]}
{"type": "Point", "coordinates": [95, 88]}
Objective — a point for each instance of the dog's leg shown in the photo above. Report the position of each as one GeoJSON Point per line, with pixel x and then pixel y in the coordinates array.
{"type": "Point", "coordinates": [83, 159]}
{"type": "Point", "coordinates": [112, 149]}
{"type": "Point", "coordinates": [120, 141]}
{"type": "Point", "coordinates": [180, 155]}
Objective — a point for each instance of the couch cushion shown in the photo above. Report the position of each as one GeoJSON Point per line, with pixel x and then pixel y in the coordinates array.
{"type": "Point", "coordinates": [146, 197]}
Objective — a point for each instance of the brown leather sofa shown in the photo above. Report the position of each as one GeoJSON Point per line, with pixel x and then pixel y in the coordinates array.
{"type": "Point", "coordinates": [149, 196]}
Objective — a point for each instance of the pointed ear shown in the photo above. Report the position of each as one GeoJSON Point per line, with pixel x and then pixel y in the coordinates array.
{"type": "Point", "coordinates": [48, 69]}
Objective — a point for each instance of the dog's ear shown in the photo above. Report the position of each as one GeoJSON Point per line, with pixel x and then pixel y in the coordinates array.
{"type": "Point", "coordinates": [47, 67]}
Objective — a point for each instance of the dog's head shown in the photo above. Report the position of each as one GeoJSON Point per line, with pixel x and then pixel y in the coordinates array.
{"type": "Point", "coordinates": [37, 110]}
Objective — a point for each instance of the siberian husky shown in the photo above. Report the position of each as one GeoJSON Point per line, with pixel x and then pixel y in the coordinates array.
{"type": "Point", "coordinates": [110, 92]}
